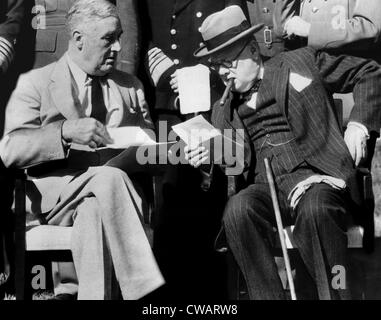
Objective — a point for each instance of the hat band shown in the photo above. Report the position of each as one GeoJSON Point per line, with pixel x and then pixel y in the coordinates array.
{"type": "Point", "coordinates": [227, 35]}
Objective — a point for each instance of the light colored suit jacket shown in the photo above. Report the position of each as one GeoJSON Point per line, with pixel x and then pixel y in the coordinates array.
{"type": "Point", "coordinates": [42, 100]}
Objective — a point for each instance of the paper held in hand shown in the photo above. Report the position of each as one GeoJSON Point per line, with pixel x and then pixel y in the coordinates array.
{"type": "Point", "coordinates": [194, 89]}
{"type": "Point", "coordinates": [125, 137]}
{"type": "Point", "coordinates": [196, 131]}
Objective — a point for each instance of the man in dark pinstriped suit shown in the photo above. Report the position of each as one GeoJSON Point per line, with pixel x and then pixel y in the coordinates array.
{"type": "Point", "coordinates": [285, 108]}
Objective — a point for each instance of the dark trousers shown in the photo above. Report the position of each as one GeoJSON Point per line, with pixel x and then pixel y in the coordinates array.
{"type": "Point", "coordinates": [185, 227]}
{"type": "Point", "coordinates": [319, 233]}
{"type": "Point", "coordinates": [6, 223]}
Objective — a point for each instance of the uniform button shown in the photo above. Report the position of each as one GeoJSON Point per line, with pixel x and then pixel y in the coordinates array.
{"type": "Point", "coordinates": [266, 10]}
{"type": "Point", "coordinates": [268, 135]}
{"type": "Point", "coordinates": [176, 61]}
{"type": "Point", "coordinates": [315, 9]}
{"type": "Point", "coordinates": [199, 14]}
{"type": "Point", "coordinates": [173, 47]}
{"type": "Point", "coordinates": [201, 44]}
{"type": "Point", "coordinates": [199, 29]}
{"type": "Point", "coordinates": [173, 31]}
{"type": "Point", "coordinates": [174, 17]}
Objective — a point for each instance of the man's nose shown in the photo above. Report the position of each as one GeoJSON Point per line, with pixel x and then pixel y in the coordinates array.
{"type": "Point", "coordinates": [223, 71]}
{"type": "Point", "coordinates": [116, 46]}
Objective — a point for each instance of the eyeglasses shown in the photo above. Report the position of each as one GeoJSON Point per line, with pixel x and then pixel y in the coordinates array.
{"type": "Point", "coordinates": [215, 64]}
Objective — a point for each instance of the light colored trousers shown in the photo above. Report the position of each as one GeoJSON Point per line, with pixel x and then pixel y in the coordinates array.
{"type": "Point", "coordinates": [108, 241]}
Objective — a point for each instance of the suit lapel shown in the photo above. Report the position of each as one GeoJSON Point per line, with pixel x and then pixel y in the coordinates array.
{"type": "Point", "coordinates": [62, 91]}
{"type": "Point", "coordinates": [231, 120]}
{"type": "Point", "coordinates": [180, 5]}
{"type": "Point", "coordinates": [281, 83]}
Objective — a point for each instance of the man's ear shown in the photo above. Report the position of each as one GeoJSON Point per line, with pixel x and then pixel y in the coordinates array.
{"type": "Point", "coordinates": [77, 37]}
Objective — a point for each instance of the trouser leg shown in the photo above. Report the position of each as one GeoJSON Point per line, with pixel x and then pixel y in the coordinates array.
{"type": "Point", "coordinates": [320, 236]}
{"type": "Point", "coordinates": [90, 253]}
{"type": "Point", "coordinates": [248, 222]}
{"type": "Point", "coordinates": [64, 278]}
{"type": "Point", "coordinates": [111, 219]}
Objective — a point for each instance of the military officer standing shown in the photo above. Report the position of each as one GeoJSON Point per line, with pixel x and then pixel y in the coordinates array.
{"type": "Point", "coordinates": [273, 14]}
{"type": "Point", "coordinates": [344, 26]}
{"type": "Point", "coordinates": [188, 215]}
{"type": "Point", "coordinates": [12, 23]}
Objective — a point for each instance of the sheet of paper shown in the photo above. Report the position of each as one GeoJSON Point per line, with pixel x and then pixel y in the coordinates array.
{"type": "Point", "coordinates": [125, 137]}
{"type": "Point", "coordinates": [195, 131]}
{"type": "Point", "coordinates": [194, 89]}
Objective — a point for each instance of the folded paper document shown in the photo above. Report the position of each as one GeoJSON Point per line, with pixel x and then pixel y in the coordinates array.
{"type": "Point", "coordinates": [198, 131]}
{"type": "Point", "coordinates": [195, 131]}
{"type": "Point", "coordinates": [125, 137]}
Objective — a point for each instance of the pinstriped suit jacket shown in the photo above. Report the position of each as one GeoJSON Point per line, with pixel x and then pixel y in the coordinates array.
{"type": "Point", "coordinates": [310, 112]}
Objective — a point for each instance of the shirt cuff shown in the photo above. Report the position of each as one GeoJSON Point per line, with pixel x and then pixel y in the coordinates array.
{"type": "Point", "coordinates": [66, 145]}
{"type": "Point", "coordinates": [360, 126]}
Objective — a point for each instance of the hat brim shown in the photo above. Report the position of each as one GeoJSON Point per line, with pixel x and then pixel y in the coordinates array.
{"type": "Point", "coordinates": [203, 51]}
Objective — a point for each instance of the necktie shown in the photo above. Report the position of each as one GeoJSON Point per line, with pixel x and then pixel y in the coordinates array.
{"type": "Point", "coordinates": [98, 107]}
{"type": "Point", "coordinates": [246, 96]}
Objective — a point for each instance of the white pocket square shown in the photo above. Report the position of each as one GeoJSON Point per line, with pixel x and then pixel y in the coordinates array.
{"type": "Point", "coordinates": [299, 82]}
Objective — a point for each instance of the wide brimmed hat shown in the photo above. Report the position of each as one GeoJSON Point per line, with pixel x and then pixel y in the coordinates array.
{"type": "Point", "coordinates": [223, 28]}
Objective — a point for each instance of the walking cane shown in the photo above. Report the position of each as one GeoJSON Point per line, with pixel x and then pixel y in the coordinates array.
{"type": "Point", "coordinates": [279, 223]}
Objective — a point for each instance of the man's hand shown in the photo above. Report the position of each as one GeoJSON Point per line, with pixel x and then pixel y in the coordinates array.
{"type": "Point", "coordinates": [86, 131]}
{"type": "Point", "coordinates": [356, 138]}
{"type": "Point", "coordinates": [297, 26]}
{"type": "Point", "coordinates": [174, 83]}
{"type": "Point", "coordinates": [196, 155]}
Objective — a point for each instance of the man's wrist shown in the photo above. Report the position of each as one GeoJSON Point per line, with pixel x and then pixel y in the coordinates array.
{"type": "Point", "coordinates": [65, 141]}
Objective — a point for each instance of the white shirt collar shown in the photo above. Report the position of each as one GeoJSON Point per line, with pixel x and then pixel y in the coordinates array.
{"type": "Point", "coordinates": [80, 77]}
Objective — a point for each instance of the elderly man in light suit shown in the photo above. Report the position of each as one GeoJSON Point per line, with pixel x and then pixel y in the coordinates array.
{"type": "Point", "coordinates": [57, 113]}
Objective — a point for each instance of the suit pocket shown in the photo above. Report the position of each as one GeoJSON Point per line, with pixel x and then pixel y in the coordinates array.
{"type": "Point", "coordinates": [49, 5]}
{"type": "Point", "coordinates": [46, 41]}
{"type": "Point", "coordinates": [288, 156]}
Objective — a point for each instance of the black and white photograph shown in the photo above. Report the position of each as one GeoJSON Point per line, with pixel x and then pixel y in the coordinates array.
{"type": "Point", "coordinates": [192, 156]}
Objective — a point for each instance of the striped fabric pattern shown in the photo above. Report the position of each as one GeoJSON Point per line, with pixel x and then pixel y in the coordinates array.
{"type": "Point", "coordinates": [310, 113]}
{"type": "Point", "coordinates": [6, 54]}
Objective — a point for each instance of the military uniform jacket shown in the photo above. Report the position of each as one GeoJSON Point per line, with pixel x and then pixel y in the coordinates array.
{"type": "Point", "coordinates": [353, 25]}
{"type": "Point", "coordinates": [11, 16]}
{"type": "Point", "coordinates": [172, 26]}
{"type": "Point", "coordinates": [273, 14]}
